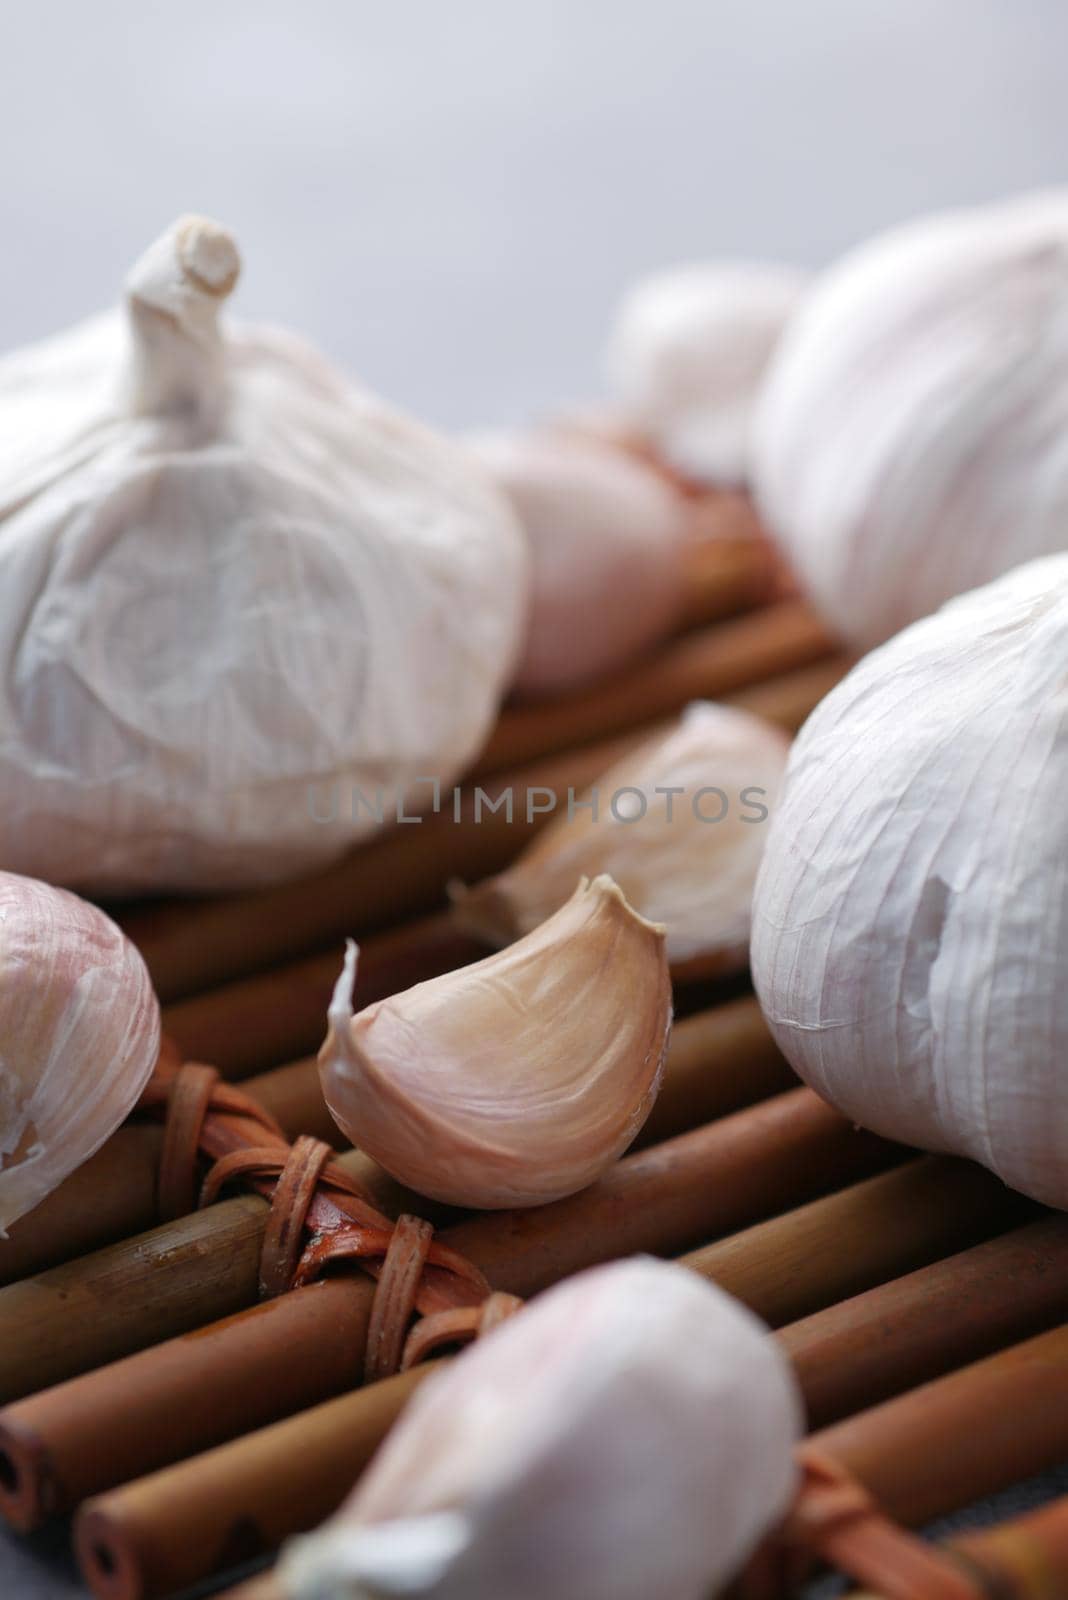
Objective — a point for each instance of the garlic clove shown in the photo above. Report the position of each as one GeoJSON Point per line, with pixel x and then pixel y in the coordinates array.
{"type": "Point", "coordinates": [910, 441]}
{"type": "Point", "coordinates": [687, 356]}
{"type": "Point", "coordinates": [250, 612]}
{"type": "Point", "coordinates": [627, 1435]}
{"type": "Point", "coordinates": [79, 1037]}
{"type": "Point", "coordinates": [607, 536]}
{"type": "Point", "coordinates": [656, 833]}
{"type": "Point", "coordinates": [516, 1080]}
{"type": "Point", "coordinates": [910, 936]}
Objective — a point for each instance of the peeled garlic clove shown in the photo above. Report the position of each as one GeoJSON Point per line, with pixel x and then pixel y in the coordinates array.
{"type": "Point", "coordinates": [687, 355]}
{"type": "Point", "coordinates": [516, 1080]}
{"type": "Point", "coordinates": [606, 536]}
{"type": "Point", "coordinates": [912, 438]}
{"type": "Point", "coordinates": [79, 1037]}
{"type": "Point", "coordinates": [910, 941]}
{"type": "Point", "coordinates": [248, 609]}
{"type": "Point", "coordinates": [627, 1435]}
{"type": "Point", "coordinates": [680, 825]}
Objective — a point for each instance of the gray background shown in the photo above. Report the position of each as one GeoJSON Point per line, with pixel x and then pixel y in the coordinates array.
{"type": "Point", "coordinates": [449, 195]}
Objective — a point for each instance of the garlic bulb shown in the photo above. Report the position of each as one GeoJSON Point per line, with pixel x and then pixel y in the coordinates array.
{"type": "Point", "coordinates": [628, 1435]}
{"type": "Point", "coordinates": [516, 1080]}
{"type": "Point", "coordinates": [910, 937]}
{"type": "Point", "coordinates": [79, 1037]}
{"type": "Point", "coordinates": [679, 824]}
{"type": "Point", "coordinates": [912, 439]}
{"type": "Point", "coordinates": [606, 535]}
{"type": "Point", "coordinates": [687, 355]}
{"type": "Point", "coordinates": [237, 591]}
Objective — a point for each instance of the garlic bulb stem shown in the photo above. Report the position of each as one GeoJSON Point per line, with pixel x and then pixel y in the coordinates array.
{"type": "Point", "coordinates": [173, 296]}
{"type": "Point", "coordinates": [339, 1012]}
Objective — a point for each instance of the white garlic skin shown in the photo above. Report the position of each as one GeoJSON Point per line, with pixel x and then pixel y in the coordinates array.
{"type": "Point", "coordinates": [692, 873]}
{"type": "Point", "coordinates": [237, 589]}
{"type": "Point", "coordinates": [687, 355]}
{"type": "Point", "coordinates": [606, 536]}
{"type": "Point", "coordinates": [912, 437]}
{"type": "Point", "coordinates": [627, 1435]}
{"type": "Point", "coordinates": [910, 935]}
{"type": "Point", "coordinates": [79, 1037]}
{"type": "Point", "coordinates": [516, 1080]}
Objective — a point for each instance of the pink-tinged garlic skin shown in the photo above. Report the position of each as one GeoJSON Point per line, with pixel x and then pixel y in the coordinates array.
{"type": "Point", "coordinates": [687, 356]}
{"type": "Point", "coordinates": [79, 1037]}
{"type": "Point", "coordinates": [516, 1080]}
{"type": "Point", "coordinates": [676, 866]}
{"type": "Point", "coordinates": [606, 536]}
{"type": "Point", "coordinates": [627, 1436]}
{"type": "Point", "coordinates": [910, 923]}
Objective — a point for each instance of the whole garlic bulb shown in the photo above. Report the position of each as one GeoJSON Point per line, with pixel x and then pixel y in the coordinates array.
{"type": "Point", "coordinates": [516, 1080]}
{"type": "Point", "coordinates": [680, 825]}
{"type": "Point", "coordinates": [910, 925]}
{"type": "Point", "coordinates": [606, 536]}
{"type": "Point", "coordinates": [79, 1037]}
{"type": "Point", "coordinates": [912, 438]}
{"type": "Point", "coordinates": [687, 355]}
{"type": "Point", "coordinates": [628, 1435]}
{"type": "Point", "coordinates": [231, 579]}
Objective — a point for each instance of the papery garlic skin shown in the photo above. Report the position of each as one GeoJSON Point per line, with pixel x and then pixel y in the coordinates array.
{"type": "Point", "coordinates": [627, 1435]}
{"type": "Point", "coordinates": [687, 355]}
{"type": "Point", "coordinates": [237, 590]}
{"type": "Point", "coordinates": [910, 938]}
{"type": "Point", "coordinates": [676, 863]}
{"type": "Point", "coordinates": [606, 534]}
{"type": "Point", "coordinates": [79, 1037]}
{"type": "Point", "coordinates": [516, 1080]}
{"type": "Point", "coordinates": [912, 437]}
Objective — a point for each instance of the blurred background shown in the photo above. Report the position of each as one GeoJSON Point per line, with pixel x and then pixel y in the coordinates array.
{"type": "Point", "coordinates": [449, 197]}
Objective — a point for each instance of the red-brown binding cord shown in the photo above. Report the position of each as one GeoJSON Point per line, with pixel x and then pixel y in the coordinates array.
{"type": "Point", "coordinates": [836, 1521]}
{"type": "Point", "coordinates": [431, 1334]}
{"type": "Point", "coordinates": [306, 1231]}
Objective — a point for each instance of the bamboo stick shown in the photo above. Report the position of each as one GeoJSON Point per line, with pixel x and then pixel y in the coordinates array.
{"type": "Point", "coordinates": [664, 1199]}
{"type": "Point", "coordinates": [708, 665]}
{"type": "Point", "coordinates": [1022, 1559]}
{"type": "Point", "coordinates": [248, 1482]}
{"type": "Point", "coordinates": [719, 1061]}
{"type": "Point", "coordinates": [960, 1438]}
{"type": "Point", "coordinates": [60, 1446]}
{"type": "Point", "coordinates": [860, 1351]}
{"type": "Point", "coordinates": [192, 945]}
{"type": "Point", "coordinates": [839, 1245]}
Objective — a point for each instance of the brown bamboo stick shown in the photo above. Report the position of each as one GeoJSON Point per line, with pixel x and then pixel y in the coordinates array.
{"type": "Point", "coordinates": [962, 1437]}
{"type": "Point", "coordinates": [730, 566]}
{"type": "Point", "coordinates": [708, 665]}
{"type": "Point", "coordinates": [51, 1443]}
{"type": "Point", "coordinates": [862, 1350]}
{"type": "Point", "coordinates": [127, 1553]}
{"type": "Point", "coordinates": [836, 1246]}
{"type": "Point", "coordinates": [248, 1482]}
{"type": "Point", "coordinates": [719, 1061]}
{"type": "Point", "coordinates": [195, 944]}
{"type": "Point", "coordinates": [664, 1199]}
{"type": "Point", "coordinates": [1022, 1559]}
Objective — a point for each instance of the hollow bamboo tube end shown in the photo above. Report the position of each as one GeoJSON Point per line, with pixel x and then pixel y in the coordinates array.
{"type": "Point", "coordinates": [27, 1494]}
{"type": "Point", "coordinates": [109, 1563]}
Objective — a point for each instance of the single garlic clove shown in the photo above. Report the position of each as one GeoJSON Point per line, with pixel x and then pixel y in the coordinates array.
{"type": "Point", "coordinates": [910, 935]}
{"type": "Point", "coordinates": [516, 1080]}
{"type": "Point", "coordinates": [909, 442]}
{"type": "Point", "coordinates": [627, 1435]}
{"type": "Point", "coordinates": [607, 536]}
{"type": "Point", "coordinates": [687, 356]}
{"type": "Point", "coordinates": [680, 825]}
{"type": "Point", "coordinates": [79, 1037]}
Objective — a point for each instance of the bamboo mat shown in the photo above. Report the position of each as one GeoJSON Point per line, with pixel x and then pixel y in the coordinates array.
{"type": "Point", "coordinates": [772, 657]}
